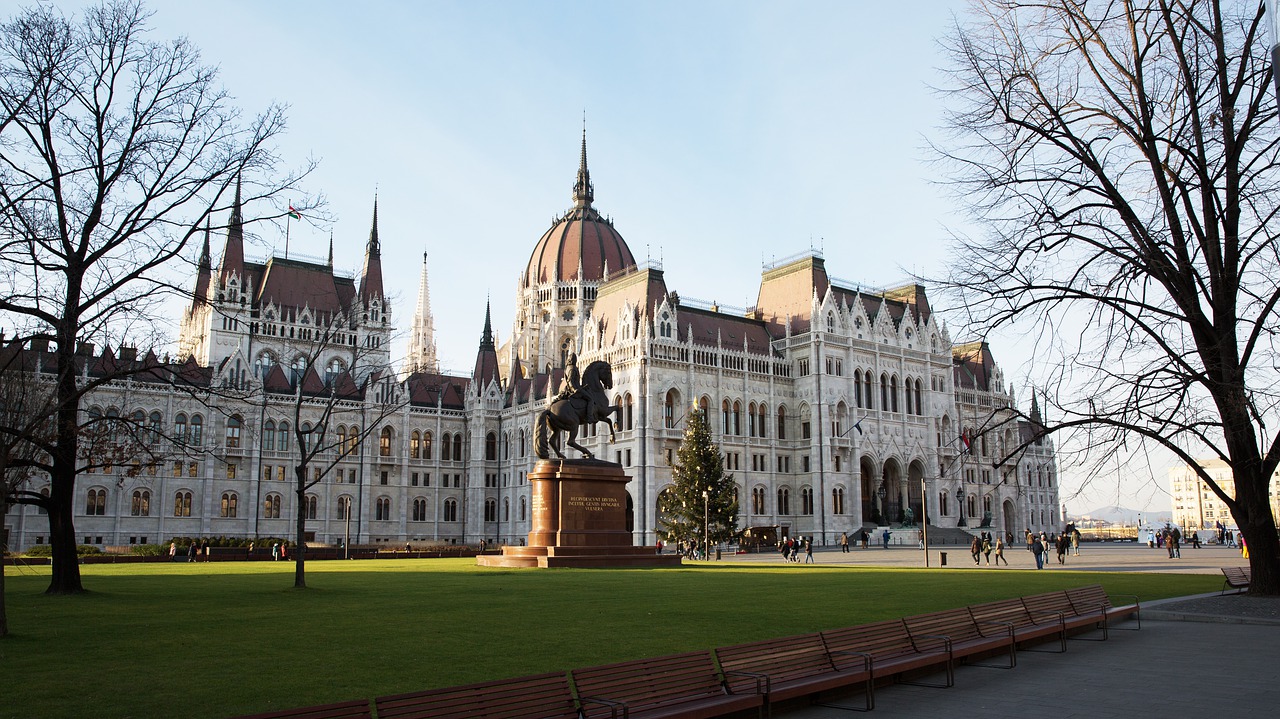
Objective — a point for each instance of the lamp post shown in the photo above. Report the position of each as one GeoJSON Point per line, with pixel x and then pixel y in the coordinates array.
{"type": "Point", "coordinates": [884, 507]}
{"type": "Point", "coordinates": [960, 506]}
{"type": "Point", "coordinates": [706, 524]}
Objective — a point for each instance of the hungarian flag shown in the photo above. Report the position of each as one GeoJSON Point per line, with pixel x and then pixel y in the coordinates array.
{"type": "Point", "coordinates": [294, 213]}
{"type": "Point", "coordinates": [965, 443]}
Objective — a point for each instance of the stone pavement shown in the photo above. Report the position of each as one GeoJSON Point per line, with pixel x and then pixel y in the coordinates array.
{"type": "Point", "coordinates": [1205, 655]}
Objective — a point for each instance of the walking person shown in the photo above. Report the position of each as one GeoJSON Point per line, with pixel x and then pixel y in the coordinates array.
{"type": "Point", "coordinates": [844, 543]}
{"type": "Point", "coordinates": [1064, 542]}
{"type": "Point", "coordinates": [173, 551]}
{"type": "Point", "coordinates": [191, 551]}
{"type": "Point", "coordinates": [886, 539]}
{"type": "Point", "coordinates": [808, 551]}
{"type": "Point", "coordinates": [1000, 552]}
{"type": "Point", "coordinates": [986, 549]}
{"type": "Point", "coordinates": [975, 548]}
{"type": "Point", "coordinates": [1037, 549]}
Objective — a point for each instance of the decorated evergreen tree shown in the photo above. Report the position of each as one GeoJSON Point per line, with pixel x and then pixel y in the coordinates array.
{"type": "Point", "coordinates": [699, 469]}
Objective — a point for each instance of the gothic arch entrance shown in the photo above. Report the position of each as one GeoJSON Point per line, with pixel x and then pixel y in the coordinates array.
{"type": "Point", "coordinates": [915, 491]}
{"type": "Point", "coordinates": [892, 491]}
{"type": "Point", "coordinates": [1009, 514]}
{"type": "Point", "coordinates": [867, 483]}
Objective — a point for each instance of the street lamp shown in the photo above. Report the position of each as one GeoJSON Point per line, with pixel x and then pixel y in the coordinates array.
{"type": "Point", "coordinates": [706, 524]}
{"type": "Point", "coordinates": [884, 509]}
{"type": "Point", "coordinates": [960, 505]}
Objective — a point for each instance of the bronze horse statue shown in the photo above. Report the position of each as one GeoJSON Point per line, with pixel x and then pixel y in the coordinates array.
{"type": "Point", "coordinates": [587, 405]}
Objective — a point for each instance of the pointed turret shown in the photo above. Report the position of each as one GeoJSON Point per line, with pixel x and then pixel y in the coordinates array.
{"type": "Point", "coordinates": [486, 369]}
{"type": "Point", "coordinates": [331, 249]}
{"type": "Point", "coordinates": [371, 281]}
{"type": "Point", "coordinates": [1035, 409]}
{"type": "Point", "coordinates": [204, 272]}
{"type": "Point", "coordinates": [583, 191]}
{"type": "Point", "coordinates": [422, 338]}
{"type": "Point", "coordinates": [233, 253]}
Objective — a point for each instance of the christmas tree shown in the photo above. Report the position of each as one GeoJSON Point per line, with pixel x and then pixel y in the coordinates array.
{"type": "Point", "coordinates": [702, 498]}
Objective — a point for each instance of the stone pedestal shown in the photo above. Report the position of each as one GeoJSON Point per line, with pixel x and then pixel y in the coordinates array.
{"type": "Point", "coordinates": [579, 520]}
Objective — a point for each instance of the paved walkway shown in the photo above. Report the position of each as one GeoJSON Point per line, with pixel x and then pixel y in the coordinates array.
{"type": "Point", "coordinates": [1100, 557]}
{"type": "Point", "coordinates": [1193, 657]}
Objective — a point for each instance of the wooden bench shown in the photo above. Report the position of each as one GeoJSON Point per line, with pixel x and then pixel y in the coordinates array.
{"type": "Point", "coordinates": [357, 709]}
{"type": "Point", "coordinates": [542, 696]}
{"type": "Point", "coordinates": [791, 667]}
{"type": "Point", "coordinates": [892, 649]}
{"type": "Point", "coordinates": [964, 638]}
{"type": "Point", "coordinates": [680, 685]}
{"type": "Point", "coordinates": [1237, 578]}
{"type": "Point", "coordinates": [994, 617]}
{"type": "Point", "coordinates": [1093, 598]}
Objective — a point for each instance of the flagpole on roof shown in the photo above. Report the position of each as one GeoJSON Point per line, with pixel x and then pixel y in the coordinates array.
{"type": "Point", "coordinates": [287, 217]}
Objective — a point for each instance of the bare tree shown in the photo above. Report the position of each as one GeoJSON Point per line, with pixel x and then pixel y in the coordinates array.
{"type": "Point", "coordinates": [1120, 158]}
{"type": "Point", "coordinates": [116, 149]}
{"type": "Point", "coordinates": [340, 398]}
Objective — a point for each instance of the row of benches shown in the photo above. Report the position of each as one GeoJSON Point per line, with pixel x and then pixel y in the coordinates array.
{"type": "Point", "coordinates": [754, 676]}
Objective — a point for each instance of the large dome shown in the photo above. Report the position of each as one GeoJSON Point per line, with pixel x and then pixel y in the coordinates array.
{"type": "Point", "coordinates": [582, 237]}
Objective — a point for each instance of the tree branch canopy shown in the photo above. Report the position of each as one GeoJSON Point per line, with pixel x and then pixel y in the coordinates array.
{"type": "Point", "coordinates": [1119, 158]}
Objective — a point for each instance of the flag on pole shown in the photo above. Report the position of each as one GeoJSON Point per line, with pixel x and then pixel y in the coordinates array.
{"type": "Point", "coordinates": [858, 425]}
{"type": "Point", "coordinates": [965, 442]}
{"type": "Point", "coordinates": [294, 213]}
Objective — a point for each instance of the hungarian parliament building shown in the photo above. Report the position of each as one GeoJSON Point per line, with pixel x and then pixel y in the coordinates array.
{"type": "Point", "coordinates": [835, 407]}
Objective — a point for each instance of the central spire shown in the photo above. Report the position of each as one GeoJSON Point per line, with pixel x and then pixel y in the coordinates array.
{"type": "Point", "coordinates": [583, 191]}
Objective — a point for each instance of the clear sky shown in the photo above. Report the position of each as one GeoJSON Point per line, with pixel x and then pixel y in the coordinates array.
{"type": "Point", "coordinates": [720, 135]}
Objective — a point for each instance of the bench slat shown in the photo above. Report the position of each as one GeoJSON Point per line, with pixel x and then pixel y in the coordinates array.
{"type": "Point", "coordinates": [542, 696]}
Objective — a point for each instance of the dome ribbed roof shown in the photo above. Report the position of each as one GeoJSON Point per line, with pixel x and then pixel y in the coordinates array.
{"type": "Point", "coordinates": [582, 237]}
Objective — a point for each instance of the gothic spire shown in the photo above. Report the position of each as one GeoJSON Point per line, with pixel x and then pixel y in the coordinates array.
{"type": "Point", "coordinates": [371, 280]}
{"type": "Point", "coordinates": [233, 253]}
{"type": "Point", "coordinates": [486, 339]}
{"type": "Point", "coordinates": [203, 271]}
{"type": "Point", "coordinates": [583, 190]}
{"type": "Point", "coordinates": [422, 337]}
{"type": "Point", "coordinates": [486, 369]}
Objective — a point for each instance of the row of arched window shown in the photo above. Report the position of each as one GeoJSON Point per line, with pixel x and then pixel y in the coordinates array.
{"type": "Point", "coordinates": [911, 393]}
{"type": "Point", "coordinates": [229, 506]}
{"type": "Point", "coordinates": [146, 428]}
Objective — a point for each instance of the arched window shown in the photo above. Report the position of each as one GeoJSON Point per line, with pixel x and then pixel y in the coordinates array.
{"type": "Point", "coordinates": [784, 500]}
{"type": "Point", "coordinates": [457, 447]}
{"type": "Point", "coordinates": [669, 409]}
{"type": "Point", "coordinates": [506, 510]}
{"type": "Point", "coordinates": [522, 509]}
{"type": "Point", "coordinates": [426, 445]}
{"type": "Point", "coordinates": [629, 409]}
{"type": "Point", "coordinates": [450, 510]}
{"type": "Point", "coordinates": [344, 506]}
{"type": "Point", "coordinates": [304, 437]}
{"type": "Point", "coordinates": [919, 395]}
{"type": "Point", "coordinates": [506, 445]}
{"type": "Point", "coordinates": [806, 500]}
{"type": "Point", "coordinates": [282, 436]}
{"type": "Point", "coordinates": [415, 444]}
{"type": "Point", "coordinates": [737, 418]}
{"type": "Point", "coordinates": [382, 509]}
{"type": "Point", "coordinates": [857, 388]}
{"type": "Point", "coordinates": [230, 505]}
{"type": "Point", "coordinates": [445, 445]}
{"type": "Point", "coordinates": [269, 436]}
{"type": "Point", "coordinates": [884, 391]}
{"type": "Point", "coordinates": [233, 431]}
{"type": "Point", "coordinates": [342, 439]}
{"type": "Point", "coordinates": [906, 396]}
{"type": "Point", "coordinates": [490, 447]}
{"type": "Point", "coordinates": [384, 442]}
{"type": "Point", "coordinates": [353, 439]}
{"type": "Point", "coordinates": [96, 503]}
{"type": "Point", "coordinates": [782, 422]}
{"type": "Point", "coordinates": [419, 509]}
{"type": "Point", "coordinates": [490, 510]}
{"type": "Point", "coordinates": [182, 504]}
{"type": "Point", "coordinates": [155, 428]}
{"type": "Point", "coordinates": [866, 391]}
{"type": "Point", "coordinates": [837, 500]}
{"type": "Point", "coordinates": [944, 504]}
{"type": "Point", "coordinates": [180, 428]}
{"type": "Point", "coordinates": [726, 417]}
{"type": "Point", "coordinates": [893, 393]}
{"type": "Point", "coordinates": [704, 404]}
{"type": "Point", "coordinates": [140, 506]}
{"type": "Point", "coordinates": [271, 506]}
{"type": "Point", "coordinates": [762, 424]}
{"type": "Point", "coordinates": [197, 430]}
{"type": "Point", "coordinates": [831, 322]}
{"type": "Point", "coordinates": [757, 501]}
{"type": "Point", "coordinates": [311, 506]}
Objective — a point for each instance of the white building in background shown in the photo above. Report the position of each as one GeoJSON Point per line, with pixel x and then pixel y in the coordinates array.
{"type": "Point", "coordinates": [1195, 506]}
{"type": "Point", "coordinates": [836, 407]}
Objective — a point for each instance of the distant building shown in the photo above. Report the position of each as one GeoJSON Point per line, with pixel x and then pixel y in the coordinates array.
{"type": "Point", "coordinates": [1195, 506]}
{"type": "Point", "coordinates": [836, 407]}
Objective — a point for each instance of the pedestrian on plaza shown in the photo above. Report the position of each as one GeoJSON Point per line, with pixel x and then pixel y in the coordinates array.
{"type": "Point", "coordinates": [866, 539]}
{"type": "Point", "coordinates": [795, 549]}
{"type": "Point", "coordinates": [173, 551]}
{"type": "Point", "coordinates": [886, 539]}
{"type": "Point", "coordinates": [986, 549]}
{"type": "Point", "coordinates": [1030, 538]}
{"type": "Point", "coordinates": [808, 551]}
{"type": "Point", "coordinates": [1000, 552]}
{"type": "Point", "coordinates": [920, 538]}
{"type": "Point", "coordinates": [1166, 539]}
{"type": "Point", "coordinates": [1037, 549]}
{"type": "Point", "coordinates": [1075, 542]}
{"type": "Point", "coordinates": [783, 549]}
{"type": "Point", "coordinates": [284, 551]}
{"type": "Point", "coordinates": [975, 548]}
{"type": "Point", "coordinates": [275, 551]}
{"type": "Point", "coordinates": [191, 551]}
{"type": "Point", "coordinates": [1064, 543]}
{"type": "Point", "coordinates": [844, 543]}
{"type": "Point", "coordinates": [1175, 537]}
{"type": "Point", "coordinates": [1195, 540]}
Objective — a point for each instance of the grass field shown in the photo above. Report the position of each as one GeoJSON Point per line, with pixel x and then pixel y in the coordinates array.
{"type": "Point", "coordinates": [215, 640]}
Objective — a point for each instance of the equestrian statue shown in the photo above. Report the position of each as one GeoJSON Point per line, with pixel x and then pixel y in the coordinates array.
{"type": "Point", "coordinates": [581, 401]}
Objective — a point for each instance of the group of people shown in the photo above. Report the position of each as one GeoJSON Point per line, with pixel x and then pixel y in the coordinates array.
{"type": "Point", "coordinates": [981, 547]}
{"type": "Point", "coordinates": [790, 548]}
{"type": "Point", "coordinates": [1066, 543]}
{"type": "Point", "coordinates": [862, 536]}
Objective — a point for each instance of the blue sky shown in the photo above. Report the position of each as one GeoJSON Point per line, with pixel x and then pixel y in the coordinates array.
{"type": "Point", "coordinates": [720, 135]}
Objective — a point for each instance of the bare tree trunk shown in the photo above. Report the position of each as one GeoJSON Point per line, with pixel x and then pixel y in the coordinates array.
{"type": "Point", "coordinates": [4, 613]}
{"type": "Point", "coordinates": [300, 529]}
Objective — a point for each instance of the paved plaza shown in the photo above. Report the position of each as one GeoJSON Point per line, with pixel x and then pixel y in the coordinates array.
{"type": "Point", "coordinates": [1094, 557]}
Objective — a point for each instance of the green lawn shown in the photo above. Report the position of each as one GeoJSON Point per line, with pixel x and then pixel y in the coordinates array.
{"type": "Point", "coordinates": [214, 640]}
